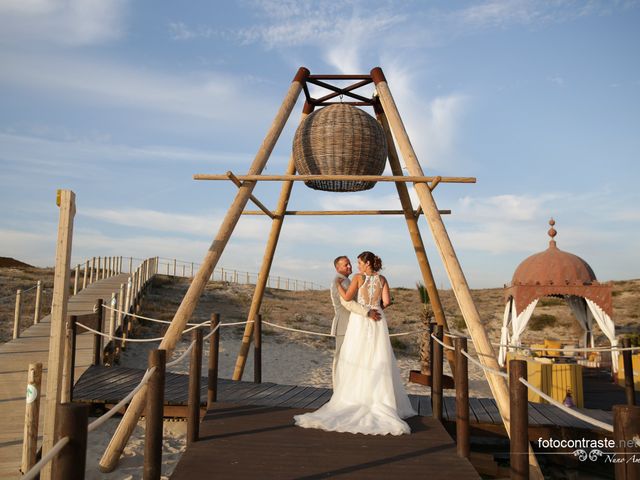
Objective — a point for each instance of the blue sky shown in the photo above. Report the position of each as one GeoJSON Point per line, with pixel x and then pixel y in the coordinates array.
{"type": "Point", "coordinates": [122, 102]}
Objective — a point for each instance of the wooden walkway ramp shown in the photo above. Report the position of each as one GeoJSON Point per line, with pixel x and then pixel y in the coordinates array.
{"type": "Point", "coordinates": [250, 441]}
{"type": "Point", "coordinates": [32, 347]}
{"type": "Point", "coordinates": [108, 385]}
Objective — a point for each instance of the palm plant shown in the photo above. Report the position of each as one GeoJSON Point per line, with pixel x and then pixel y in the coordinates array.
{"type": "Point", "coordinates": [426, 317]}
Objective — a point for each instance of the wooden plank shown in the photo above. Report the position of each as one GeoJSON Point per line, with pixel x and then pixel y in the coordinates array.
{"type": "Point", "coordinates": [230, 434]}
{"type": "Point", "coordinates": [479, 411]}
{"type": "Point", "coordinates": [308, 400]}
{"type": "Point", "coordinates": [425, 406]}
{"type": "Point", "coordinates": [449, 404]}
{"type": "Point", "coordinates": [322, 399]}
{"type": "Point", "coordinates": [490, 406]}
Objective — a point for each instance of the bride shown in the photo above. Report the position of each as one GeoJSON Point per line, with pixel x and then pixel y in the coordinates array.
{"type": "Point", "coordinates": [369, 396]}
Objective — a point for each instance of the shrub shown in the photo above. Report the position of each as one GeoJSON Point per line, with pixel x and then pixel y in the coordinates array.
{"type": "Point", "coordinates": [551, 301]}
{"type": "Point", "coordinates": [542, 321]}
{"type": "Point", "coordinates": [398, 344]}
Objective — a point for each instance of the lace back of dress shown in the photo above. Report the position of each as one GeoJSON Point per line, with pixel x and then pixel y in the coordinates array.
{"type": "Point", "coordinates": [370, 293]}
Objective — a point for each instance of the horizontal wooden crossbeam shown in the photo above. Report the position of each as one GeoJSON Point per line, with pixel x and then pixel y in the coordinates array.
{"type": "Point", "coordinates": [359, 178]}
{"type": "Point", "coordinates": [257, 203]}
{"type": "Point", "coordinates": [343, 212]}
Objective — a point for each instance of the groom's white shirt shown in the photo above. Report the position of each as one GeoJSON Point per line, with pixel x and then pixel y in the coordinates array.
{"type": "Point", "coordinates": [342, 309]}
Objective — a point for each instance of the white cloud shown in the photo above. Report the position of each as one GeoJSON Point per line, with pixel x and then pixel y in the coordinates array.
{"type": "Point", "coordinates": [62, 22]}
{"type": "Point", "coordinates": [209, 95]}
{"type": "Point", "coordinates": [503, 208]}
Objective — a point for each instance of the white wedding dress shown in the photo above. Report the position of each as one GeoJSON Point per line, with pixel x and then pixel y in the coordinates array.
{"type": "Point", "coordinates": [369, 396]}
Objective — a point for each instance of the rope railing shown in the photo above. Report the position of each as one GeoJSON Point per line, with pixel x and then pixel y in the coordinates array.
{"type": "Point", "coordinates": [35, 470]}
{"type": "Point", "coordinates": [320, 334]}
{"type": "Point", "coordinates": [541, 348]}
{"type": "Point", "coordinates": [552, 401]}
{"type": "Point", "coordinates": [100, 420]}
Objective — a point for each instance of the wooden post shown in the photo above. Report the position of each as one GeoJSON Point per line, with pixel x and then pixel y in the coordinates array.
{"type": "Point", "coordinates": [84, 276]}
{"type": "Point", "coordinates": [626, 429]}
{"type": "Point", "coordinates": [262, 279]}
{"type": "Point", "coordinates": [174, 267]}
{"type": "Point", "coordinates": [519, 405]}
{"type": "Point", "coordinates": [436, 380]}
{"type": "Point", "coordinates": [257, 349]}
{"type": "Point", "coordinates": [16, 315]}
{"type": "Point", "coordinates": [112, 318]}
{"type": "Point", "coordinates": [153, 427]}
{"type": "Point", "coordinates": [72, 459]}
{"type": "Point", "coordinates": [110, 267]}
{"type": "Point", "coordinates": [91, 272]}
{"type": "Point", "coordinates": [99, 269]}
{"type": "Point", "coordinates": [185, 310]}
{"type": "Point", "coordinates": [66, 395]}
{"type": "Point", "coordinates": [130, 265]}
{"type": "Point", "coordinates": [462, 399]}
{"type": "Point", "coordinates": [195, 369]}
{"type": "Point", "coordinates": [97, 339]}
{"type": "Point", "coordinates": [416, 237]}
{"type": "Point", "coordinates": [120, 304]}
{"type": "Point", "coordinates": [31, 417]}
{"type": "Point", "coordinates": [214, 351]}
{"type": "Point", "coordinates": [75, 279]}
{"type": "Point", "coordinates": [191, 270]}
{"type": "Point", "coordinates": [627, 362]}
{"type": "Point", "coordinates": [66, 202]}
{"type": "Point", "coordinates": [38, 306]}
{"type": "Point", "coordinates": [454, 271]}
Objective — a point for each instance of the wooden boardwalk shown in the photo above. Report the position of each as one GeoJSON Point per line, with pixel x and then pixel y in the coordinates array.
{"type": "Point", "coordinates": [108, 385]}
{"type": "Point", "coordinates": [32, 347]}
{"type": "Point", "coordinates": [250, 441]}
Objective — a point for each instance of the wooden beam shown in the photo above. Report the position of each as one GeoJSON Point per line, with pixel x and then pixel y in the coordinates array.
{"type": "Point", "coordinates": [66, 201]}
{"type": "Point", "coordinates": [119, 440]}
{"type": "Point", "coordinates": [267, 260]}
{"type": "Point", "coordinates": [447, 252]}
{"type": "Point", "coordinates": [416, 238]}
{"type": "Point", "coordinates": [341, 212]}
{"type": "Point", "coordinates": [256, 202]}
{"type": "Point", "coordinates": [363, 178]}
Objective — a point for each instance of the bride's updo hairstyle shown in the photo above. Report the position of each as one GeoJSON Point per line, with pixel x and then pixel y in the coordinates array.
{"type": "Point", "coordinates": [373, 260]}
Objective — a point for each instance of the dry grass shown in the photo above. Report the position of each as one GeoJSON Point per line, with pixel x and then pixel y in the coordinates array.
{"type": "Point", "coordinates": [312, 310]}
{"type": "Point", "coordinates": [12, 279]}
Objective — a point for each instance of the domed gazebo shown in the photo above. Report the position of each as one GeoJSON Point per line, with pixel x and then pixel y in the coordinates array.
{"type": "Point", "coordinates": [554, 272]}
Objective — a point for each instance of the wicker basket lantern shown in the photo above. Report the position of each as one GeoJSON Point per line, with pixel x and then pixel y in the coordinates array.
{"type": "Point", "coordinates": [340, 140]}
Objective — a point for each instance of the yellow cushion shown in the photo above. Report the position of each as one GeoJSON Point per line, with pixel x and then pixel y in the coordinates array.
{"type": "Point", "coordinates": [555, 345]}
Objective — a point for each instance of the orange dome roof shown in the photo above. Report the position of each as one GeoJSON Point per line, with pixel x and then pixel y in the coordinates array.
{"type": "Point", "coordinates": [553, 267]}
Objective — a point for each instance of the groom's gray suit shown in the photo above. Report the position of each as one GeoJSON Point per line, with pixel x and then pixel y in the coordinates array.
{"type": "Point", "coordinates": [342, 310]}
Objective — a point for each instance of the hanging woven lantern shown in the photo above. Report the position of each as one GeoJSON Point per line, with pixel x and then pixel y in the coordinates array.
{"type": "Point", "coordinates": [340, 140]}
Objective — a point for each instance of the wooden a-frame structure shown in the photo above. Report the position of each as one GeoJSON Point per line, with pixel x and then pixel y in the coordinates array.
{"type": "Point", "coordinates": [389, 117]}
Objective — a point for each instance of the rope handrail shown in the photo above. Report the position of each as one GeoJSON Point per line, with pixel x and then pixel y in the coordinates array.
{"type": "Point", "coordinates": [297, 330]}
{"type": "Point", "coordinates": [156, 320]}
{"type": "Point", "coordinates": [21, 291]}
{"type": "Point", "coordinates": [35, 470]}
{"type": "Point", "coordinates": [100, 420]}
{"type": "Point", "coordinates": [566, 348]}
{"type": "Point", "coordinates": [581, 416]}
{"type": "Point", "coordinates": [552, 401]}
{"type": "Point", "coordinates": [157, 339]}
{"type": "Point", "coordinates": [282, 327]}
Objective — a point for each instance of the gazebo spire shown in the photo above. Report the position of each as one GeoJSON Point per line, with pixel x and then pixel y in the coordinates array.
{"type": "Point", "coordinates": [552, 233]}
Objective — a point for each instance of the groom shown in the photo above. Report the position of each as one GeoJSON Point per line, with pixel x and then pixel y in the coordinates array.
{"type": "Point", "coordinates": [343, 307]}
